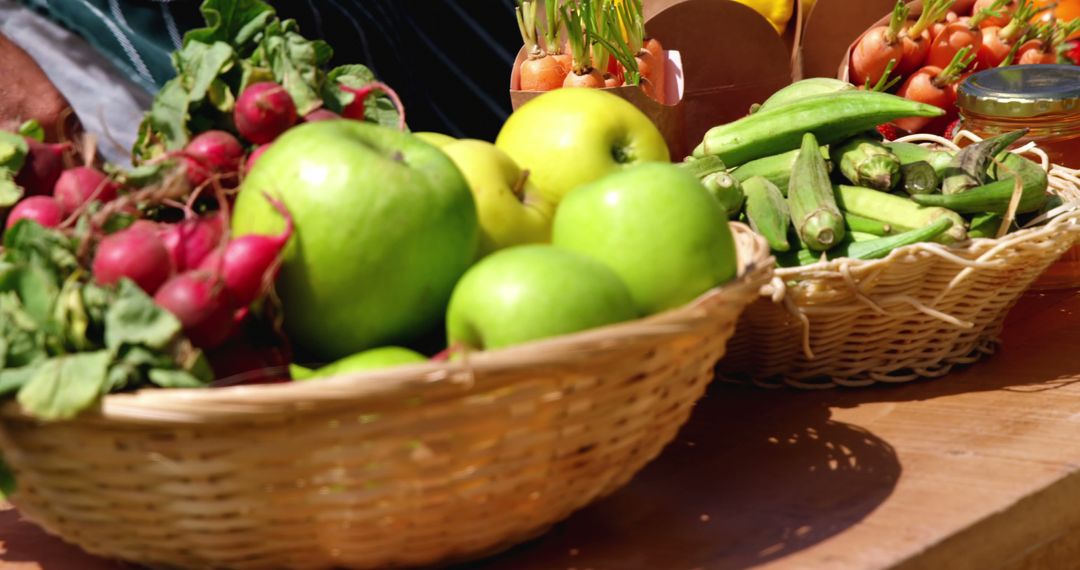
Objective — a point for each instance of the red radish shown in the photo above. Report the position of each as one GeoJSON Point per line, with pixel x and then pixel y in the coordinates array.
{"type": "Point", "coordinates": [878, 47]}
{"type": "Point", "coordinates": [136, 253]}
{"type": "Point", "coordinates": [255, 154]}
{"type": "Point", "coordinates": [264, 111]}
{"type": "Point", "coordinates": [42, 167]}
{"type": "Point", "coordinates": [321, 115]}
{"type": "Point", "coordinates": [83, 184]}
{"type": "Point", "coordinates": [246, 260]}
{"type": "Point", "coordinates": [930, 85]}
{"type": "Point", "coordinates": [44, 210]}
{"type": "Point", "coordinates": [190, 241]}
{"type": "Point", "coordinates": [1003, 13]}
{"type": "Point", "coordinates": [212, 152]}
{"type": "Point", "coordinates": [998, 42]}
{"type": "Point", "coordinates": [355, 109]}
{"type": "Point", "coordinates": [199, 300]}
{"type": "Point", "coordinates": [916, 38]}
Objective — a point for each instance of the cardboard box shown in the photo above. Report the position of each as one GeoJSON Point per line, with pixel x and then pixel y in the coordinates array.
{"type": "Point", "coordinates": [730, 56]}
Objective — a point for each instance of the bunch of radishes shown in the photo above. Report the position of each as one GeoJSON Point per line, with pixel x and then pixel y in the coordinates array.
{"type": "Point", "coordinates": [932, 55]}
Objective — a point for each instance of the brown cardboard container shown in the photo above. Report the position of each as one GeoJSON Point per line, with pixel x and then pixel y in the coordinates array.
{"type": "Point", "coordinates": [731, 58]}
{"type": "Point", "coordinates": [829, 28]}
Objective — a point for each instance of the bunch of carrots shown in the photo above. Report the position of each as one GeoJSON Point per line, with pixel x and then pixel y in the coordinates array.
{"type": "Point", "coordinates": [588, 43]}
{"type": "Point", "coordinates": [932, 54]}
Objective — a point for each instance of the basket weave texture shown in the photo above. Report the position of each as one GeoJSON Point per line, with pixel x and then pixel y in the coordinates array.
{"type": "Point", "coordinates": [914, 314]}
{"type": "Point", "coordinates": [399, 467]}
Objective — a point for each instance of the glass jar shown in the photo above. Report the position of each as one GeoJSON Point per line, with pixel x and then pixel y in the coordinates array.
{"type": "Point", "coordinates": [1044, 99]}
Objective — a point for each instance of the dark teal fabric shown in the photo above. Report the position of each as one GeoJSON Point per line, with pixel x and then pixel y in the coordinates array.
{"type": "Point", "coordinates": [136, 36]}
{"type": "Point", "coordinates": [449, 60]}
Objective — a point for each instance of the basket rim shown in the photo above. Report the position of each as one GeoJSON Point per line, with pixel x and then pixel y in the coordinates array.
{"type": "Point", "coordinates": [447, 379]}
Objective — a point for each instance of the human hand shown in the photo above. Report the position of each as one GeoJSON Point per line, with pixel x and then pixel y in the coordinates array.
{"type": "Point", "coordinates": [27, 93]}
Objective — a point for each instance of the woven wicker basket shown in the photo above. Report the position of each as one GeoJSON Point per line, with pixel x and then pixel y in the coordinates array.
{"type": "Point", "coordinates": [914, 314]}
{"type": "Point", "coordinates": [401, 467]}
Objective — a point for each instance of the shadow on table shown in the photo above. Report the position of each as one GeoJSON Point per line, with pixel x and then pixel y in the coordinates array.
{"type": "Point", "coordinates": [21, 542]}
{"type": "Point", "coordinates": [753, 476]}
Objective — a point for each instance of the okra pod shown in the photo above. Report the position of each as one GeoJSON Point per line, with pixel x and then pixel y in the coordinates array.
{"type": "Point", "coordinates": [867, 162]}
{"type": "Point", "coordinates": [996, 196]}
{"type": "Point", "coordinates": [862, 224]}
{"type": "Point", "coordinates": [868, 249]}
{"type": "Point", "coordinates": [814, 213]}
{"type": "Point", "coordinates": [969, 168]}
{"type": "Point", "coordinates": [775, 168]}
{"type": "Point", "coordinates": [727, 191]}
{"type": "Point", "coordinates": [902, 213]}
{"type": "Point", "coordinates": [767, 211]}
{"type": "Point", "coordinates": [909, 153]}
{"type": "Point", "coordinates": [919, 178]}
{"type": "Point", "coordinates": [831, 118]}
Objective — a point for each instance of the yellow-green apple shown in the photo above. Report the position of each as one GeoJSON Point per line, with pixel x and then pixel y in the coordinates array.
{"type": "Point", "coordinates": [435, 139]}
{"type": "Point", "coordinates": [570, 137]}
{"type": "Point", "coordinates": [531, 292]}
{"type": "Point", "coordinates": [657, 227]}
{"type": "Point", "coordinates": [373, 359]}
{"type": "Point", "coordinates": [510, 209]}
{"type": "Point", "coordinates": [385, 226]}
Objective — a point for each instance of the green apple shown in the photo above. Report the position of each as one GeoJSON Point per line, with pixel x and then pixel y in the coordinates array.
{"type": "Point", "coordinates": [385, 226]}
{"type": "Point", "coordinates": [657, 227]}
{"type": "Point", "coordinates": [510, 209]}
{"type": "Point", "coordinates": [570, 137]}
{"type": "Point", "coordinates": [534, 291]}
{"type": "Point", "coordinates": [373, 359]}
{"type": "Point", "coordinates": [435, 139]}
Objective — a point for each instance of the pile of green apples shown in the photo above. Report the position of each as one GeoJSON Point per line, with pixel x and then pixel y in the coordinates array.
{"type": "Point", "coordinates": [574, 218]}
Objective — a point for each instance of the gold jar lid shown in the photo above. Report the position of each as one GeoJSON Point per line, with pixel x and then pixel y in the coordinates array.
{"type": "Point", "coordinates": [1021, 91]}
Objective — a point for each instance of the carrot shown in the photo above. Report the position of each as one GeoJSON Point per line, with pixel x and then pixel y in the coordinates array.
{"type": "Point", "coordinates": [583, 74]}
{"type": "Point", "coordinates": [1046, 42]}
{"type": "Point", "coordinates": [877, 47]}
{"type": "Point", "coordinates": [633, 23]}
{"type": "Point", "coordinates": [961, 34]}
{"type": "Point", "coordinates": [655, 47]}
{"type": "Point", "coordinates": [930, 85]}
{"type": "Point", "coordinates": [998, 42]}
{"type": "Point", "coordinates": [949, 18]}
{"type": "Point", "coordinates": [915, 40]}
{"type": "Point", "coordinates": [1001, 18]}
{"type": "Point", "coordinates": [540, 72]}
{"type": "Point", "coordinates": [552, 45]}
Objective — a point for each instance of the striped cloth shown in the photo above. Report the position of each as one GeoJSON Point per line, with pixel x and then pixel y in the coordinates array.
{"type": "Point", "coordinates": [449, 60]}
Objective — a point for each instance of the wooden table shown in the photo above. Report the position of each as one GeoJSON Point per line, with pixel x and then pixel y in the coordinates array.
{"type": "Point", "coordinates": [977, 470]}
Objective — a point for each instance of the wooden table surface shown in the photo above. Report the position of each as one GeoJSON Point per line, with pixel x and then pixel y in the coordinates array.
{"type": "Point", "coordinates": [976, 470]}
